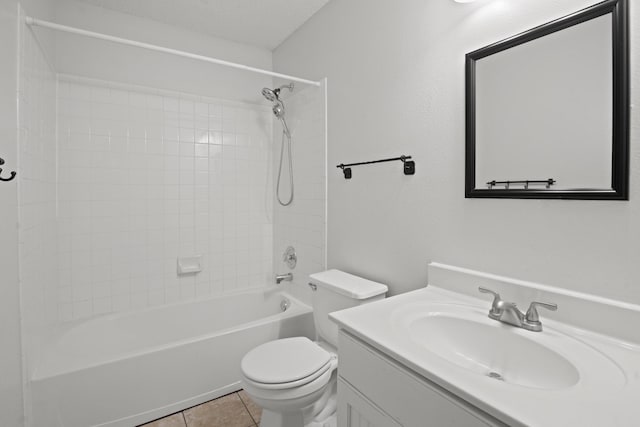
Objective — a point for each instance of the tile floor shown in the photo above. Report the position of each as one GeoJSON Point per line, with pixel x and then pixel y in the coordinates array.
{"type": "Point", "coordinates": [232, 410]}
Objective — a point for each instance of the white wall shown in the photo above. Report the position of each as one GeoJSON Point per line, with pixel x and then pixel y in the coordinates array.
{"type": "Point", "coordinates": [396, 86]}
{"type": "Point", "coordinates": [108, 61]}
{"type": "Point", "coordinates": [10, 360]}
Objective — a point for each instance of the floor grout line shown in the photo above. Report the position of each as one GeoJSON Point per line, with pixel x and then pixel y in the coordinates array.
{"type": "Point", "coordinates": [184, 417]}
{"type": "Point", "coordinates": [247, 408]}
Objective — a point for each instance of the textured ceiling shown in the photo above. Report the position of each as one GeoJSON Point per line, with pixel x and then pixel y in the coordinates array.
{"type": "Point", "coordinates": [263, 23]}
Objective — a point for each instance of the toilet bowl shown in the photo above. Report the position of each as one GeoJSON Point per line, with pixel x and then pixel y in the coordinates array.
{"type": "Point", "coordinates": [294, 380]}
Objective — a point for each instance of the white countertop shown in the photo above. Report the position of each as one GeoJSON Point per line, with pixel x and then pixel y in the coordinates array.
{"type": "Point", "coordinates": [595, 400]}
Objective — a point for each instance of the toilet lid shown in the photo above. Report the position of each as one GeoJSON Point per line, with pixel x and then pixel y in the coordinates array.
{"type": "Point", "coordinates": [284, 361]}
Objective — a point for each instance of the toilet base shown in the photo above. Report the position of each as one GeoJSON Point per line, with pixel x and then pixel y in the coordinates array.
{"type": "Point", "coordinates": [327, 421]}
{"type": "Point", "coordinates": [331, 421]}
{"type": "Point", "coordinates": [322, 413]}
{"type": "Point", "coordinates": [277, 419]}
{"type": "Point", "coordinates": [281, 419]}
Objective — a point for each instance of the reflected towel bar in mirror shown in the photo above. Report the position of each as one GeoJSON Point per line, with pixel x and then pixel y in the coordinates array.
{"type": "Point", "coordinates": [546, 182]}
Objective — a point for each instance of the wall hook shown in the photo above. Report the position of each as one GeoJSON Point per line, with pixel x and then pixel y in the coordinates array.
{"type": "Point", "coordinates": [13, 174]}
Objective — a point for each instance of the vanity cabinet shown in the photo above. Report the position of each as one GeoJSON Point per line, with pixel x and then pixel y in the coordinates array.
{"type": "Point", "coordinates": [376, 391]}
{"type": "Point", "coordinates": [355, 410]}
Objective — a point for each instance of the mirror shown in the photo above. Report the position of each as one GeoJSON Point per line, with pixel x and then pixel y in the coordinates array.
{"type": "Point", "coordinates": [548, 110]}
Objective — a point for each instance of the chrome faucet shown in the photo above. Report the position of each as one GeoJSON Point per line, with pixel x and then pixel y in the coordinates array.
{"type": "Point", "coordinates": [507, 312]}
{"type": "Point", "coordinates": [284, 277]}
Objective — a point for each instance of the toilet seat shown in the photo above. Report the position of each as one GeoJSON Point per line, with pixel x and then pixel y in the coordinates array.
{"type": "Point", "coordinates": [286, 363]}
{"type": "Point", "coordinates": [288, 392]}
{"type": "Point", "coordinates": [291, 384]}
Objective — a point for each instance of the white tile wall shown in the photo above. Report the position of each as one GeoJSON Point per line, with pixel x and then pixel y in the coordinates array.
{"type": "Point", "coordinates": [146, 176]}
{"type": "Point", "coordinates": [303, 223]}
{"type": "Point", "coordinates": [37, 193]}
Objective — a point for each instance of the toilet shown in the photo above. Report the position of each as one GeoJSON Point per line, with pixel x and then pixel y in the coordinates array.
{"type": "Point", "coordinates": [294, 380]}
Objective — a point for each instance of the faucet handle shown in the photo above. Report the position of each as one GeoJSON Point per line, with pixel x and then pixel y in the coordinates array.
{"type": "Point", "coordinates": [496, 299]}
{"type": "Point", "coordinates": [532, 312]}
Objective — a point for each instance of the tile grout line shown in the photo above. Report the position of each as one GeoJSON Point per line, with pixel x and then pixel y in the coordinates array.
{"type": "Point", "coordinates": [247, 408]}
{"type": "Point", "coordinates": [184, 418]}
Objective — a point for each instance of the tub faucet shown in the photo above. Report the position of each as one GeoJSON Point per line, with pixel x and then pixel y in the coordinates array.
{"type": "Point", "coordinates": [286, 277]}
{"type": "Point", "coordinates": [507, 312]}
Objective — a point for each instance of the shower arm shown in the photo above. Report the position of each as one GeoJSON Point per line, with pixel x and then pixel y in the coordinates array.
{"type": "Point", "coordinates": [290, 86]}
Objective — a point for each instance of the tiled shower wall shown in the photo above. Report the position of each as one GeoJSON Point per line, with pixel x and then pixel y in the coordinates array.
{"type": "Point", "coordinates": [147, 176]}
{"type": "Point", "coordinates": [38, 241]}
{"type": "Point", "coordinates": [303, 223]}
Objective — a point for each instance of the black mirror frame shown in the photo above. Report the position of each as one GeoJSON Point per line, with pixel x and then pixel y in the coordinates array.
{"type": "Point", "coordinates": [620, 137]}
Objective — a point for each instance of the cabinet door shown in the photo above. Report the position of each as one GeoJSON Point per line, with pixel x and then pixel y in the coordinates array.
{"type": "Point", "coordinates": [355, 410]}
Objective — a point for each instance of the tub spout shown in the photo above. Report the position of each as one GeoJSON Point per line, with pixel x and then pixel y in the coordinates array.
{"type": "Point", "coordinates": [287, 277]}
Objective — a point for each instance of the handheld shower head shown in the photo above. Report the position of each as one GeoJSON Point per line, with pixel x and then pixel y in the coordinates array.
{"type": "Point", "coordinates": [278, 109]}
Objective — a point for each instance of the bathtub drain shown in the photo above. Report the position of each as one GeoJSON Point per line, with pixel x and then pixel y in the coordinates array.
{"type": "Point", "coordinates": [285, 304]}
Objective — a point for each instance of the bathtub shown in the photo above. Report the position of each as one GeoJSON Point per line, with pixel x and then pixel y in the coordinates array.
{"type": "Point", "coordinates": [127, 369]}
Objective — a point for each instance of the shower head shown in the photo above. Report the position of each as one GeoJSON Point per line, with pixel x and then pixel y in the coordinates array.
{"type": "Point", "coordinates": [270, 94]}
{"type": "Point", "coordinates": [273, 95]}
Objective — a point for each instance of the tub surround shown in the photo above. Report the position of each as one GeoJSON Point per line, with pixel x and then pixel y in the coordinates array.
{"type": "Point", "coordinates": [128, 160]}
{"type": "Point", "coordinates": [603, 389]}
{"type": "Point", "coordinates": [147, 176]}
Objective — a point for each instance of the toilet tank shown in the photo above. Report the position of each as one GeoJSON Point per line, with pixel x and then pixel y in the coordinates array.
{"type": "Point", "coordinates": [336, 290]}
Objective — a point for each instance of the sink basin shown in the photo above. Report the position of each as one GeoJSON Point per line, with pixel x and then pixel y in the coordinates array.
{"type": "Point", "coordinates": [493, 350]}
{"type": "Point", "coordinates": [465, 337]}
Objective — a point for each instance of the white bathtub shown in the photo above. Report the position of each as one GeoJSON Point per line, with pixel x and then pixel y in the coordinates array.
{"type": "Point", "coordinates": [127, 369]}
